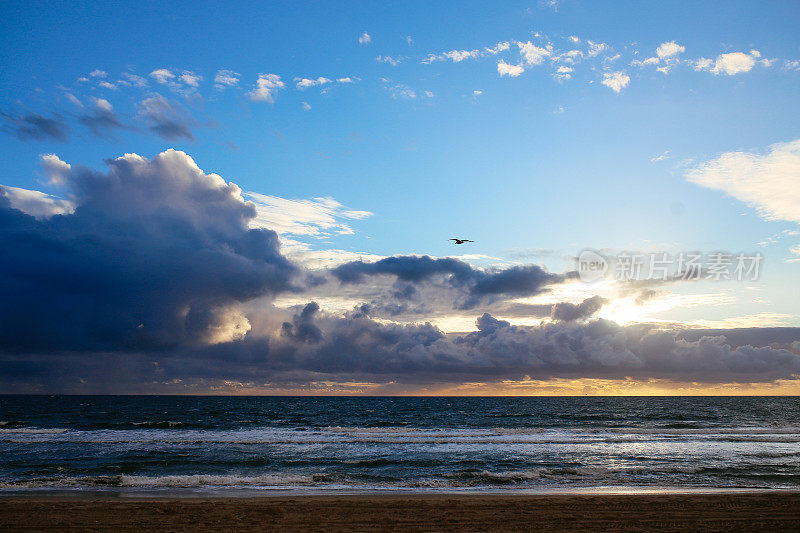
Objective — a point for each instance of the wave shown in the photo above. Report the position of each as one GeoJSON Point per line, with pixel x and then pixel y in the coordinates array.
{"type": "Point", "coordinates": [32, 431]}
{"type": "Point", "coordinates": [169, 432]}
{"type": "Point", "coordinates": [472, 478]}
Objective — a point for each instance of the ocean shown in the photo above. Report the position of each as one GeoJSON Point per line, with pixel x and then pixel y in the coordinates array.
{"type": "Point", "coordinates": [261, 445]}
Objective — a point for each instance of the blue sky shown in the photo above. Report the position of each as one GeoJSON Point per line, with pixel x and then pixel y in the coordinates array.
{"type": "Point", "coordinates": [434, 120]}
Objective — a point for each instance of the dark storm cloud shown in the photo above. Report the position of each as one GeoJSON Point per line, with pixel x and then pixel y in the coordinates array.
{"type": "Point", "coordinates": [476, 285]}
{"type": "Point", "coordinates": [166, 119]}
{"type": "Point", "coordinates": [156, 254]}
{"type": "Point", "coordinates": [36, 127]}
{"type": "Point", "coordinates": [314, 346]}
{"type": "Point", "coordinates": [102, 121]}
{"type": "Point", "coordinates": [302, 327]}
{"type": "Point", "coordinates": [569, 312]}
{"type": "Point", "coordinates": [361, 348]}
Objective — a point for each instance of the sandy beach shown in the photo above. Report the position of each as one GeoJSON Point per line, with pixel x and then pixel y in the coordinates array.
{"type": "Point", "coordinates": [442, 512]}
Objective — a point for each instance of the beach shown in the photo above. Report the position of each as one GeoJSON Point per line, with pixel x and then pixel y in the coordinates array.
{"type": "Point", "coordinates": [767, 511]}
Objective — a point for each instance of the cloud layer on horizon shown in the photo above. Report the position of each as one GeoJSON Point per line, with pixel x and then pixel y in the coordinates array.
{"type": "Point", "coordinates": [152, 273]}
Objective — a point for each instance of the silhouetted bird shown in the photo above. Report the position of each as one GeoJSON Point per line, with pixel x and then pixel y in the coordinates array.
{"type": "Point", "coordinates": [460, 241]}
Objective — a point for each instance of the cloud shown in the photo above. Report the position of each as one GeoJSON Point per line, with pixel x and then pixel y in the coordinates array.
{"type": "Point", "coordinates": [669, 49]}
{"type": "Point", "coordinates": [316, 217]}
{"type": "Point", "coordinates": [166, 119]}
{"type": "Point", "coordinates": [35, 203]}
{"type": "Point", "coordinates": [157, 253]}
{"type": "Point", "coordinates": [569, 312]}
{"type": "Point", "coordinates": [499, 47]}
{"type": "Point", "coordinates": [532, 54]}
{"type": "Point", "coordinates": [314, 345]}
{"type": "Point", "coordinates": [74, 100]}
{"type": "Point", "coordinates": [55, 170]}
{"type": "Point", "coordinates": [666, 56]}
{"type": "Point", "coordinates": [473, 285]}
{"type": "Point", "coordinates": [596, 49]}
{"type": "Point", "coordinates": [97, 73]}
{"type": "Point", "coordinates": [504, 69]}
{"type": "Point", "coordinates": [646, 62]}
{"type": "Point", "coordinates": [393, 61]}
{"type": "Point", "coordinates": [156, 271]}
{"type": "Point", "coordinates": [162, 75]}
{"type": "Point", "coordinates": [616, 81]}
{"type": "Point", "coordinates": [102, 121]}
{"type": "Point", "coordinates": [226, 78]}
{"type": "Point", "coordinates": [766, 181]}
{"type": "Point", "coordinates": [266, 88]}
{"type": "Point", "coordinates": [794, 250]}
{"type": "Point", "coordinates": [364, 38]}
{"type": "Point", "coordinates": [402, 92]}
{"type": "Point", "coordinates": [36, 127]}
{"type": "Point", "coordinates": [306, 106]}
{"type": "Point", "coordinates": [456, 56]}
{"type": "Point", "coordinates": [305, 83]}
{"type": "Point", "coordinates": [563, 73]}
{"type": "Point", "coordinates": [185, 82]}
{"type": "Point", "coordinates": [135, 80]}
{"type": "Point", "coordinates": [190, 78]}
{"type": "Point", "coordinates": [730, 64]}
{"type": "Point", "coordinates": [660, 157]}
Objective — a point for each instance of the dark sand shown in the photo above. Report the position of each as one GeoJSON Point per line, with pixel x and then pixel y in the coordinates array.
{"type": "Point", "coordinates": [444, 512]}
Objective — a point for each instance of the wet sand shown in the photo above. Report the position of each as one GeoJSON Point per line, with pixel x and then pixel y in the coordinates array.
{"type": "Point", "coordinates": [773, 511]}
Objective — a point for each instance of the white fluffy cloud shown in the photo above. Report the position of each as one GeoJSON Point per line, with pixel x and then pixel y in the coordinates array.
{"type": "Point", "coordinates": [190, 78]}
{"type": "Point", "coordinates": [226, 78]}
{"type": "Point", "coordinates": [596, 49]}
{"type": "Point", "coordinates": [669, 49]}
{"type": "Point", "coordinates": [266, 88]}
{"type": "Point", "coordinates": [316, 217]}
{"type": "Point", "coordinates": [666, 56]}
{"type": "Point", "coordinates": [505, 69]}
{"type": "Point", "coordinates": [36, 203]}
{"type": "Point", "coordinates": [162, 75]}
{"type": "Point", "coordinates": [616, 81]}
{"type": "Point", "coordinates": [563, 73]}
{"type": "Point", "coordinates": [55, 170]}
{"type": "Point", "coordinates": [456, 56]}
{"type": "Point", "coordinates": [185, 82]}
{"type": "Point", "coordinates": [532, 54]}
{"type": "Point", "coordinates": [768, 182]}
{"type": "Point", "coordinates": [305, 83]}
{"type": "Point", "coordinates": [364, 38]}
{"type": "Point", "coordinates": [730, 64]}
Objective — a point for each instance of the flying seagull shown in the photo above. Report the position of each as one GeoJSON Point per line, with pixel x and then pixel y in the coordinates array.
{"type": "Point", "coordinates": [460, 241]}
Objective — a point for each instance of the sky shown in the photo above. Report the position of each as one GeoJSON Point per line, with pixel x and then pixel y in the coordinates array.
{"type": "Point", "coordinates": [205, 198]}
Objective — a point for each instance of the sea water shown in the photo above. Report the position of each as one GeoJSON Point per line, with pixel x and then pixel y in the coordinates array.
{"type": "Point", "coordinates": [143, 444]}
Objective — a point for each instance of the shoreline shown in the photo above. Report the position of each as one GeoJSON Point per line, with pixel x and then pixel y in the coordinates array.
{"type": "Point", "coordinates": [246, 493]}
{"type": "Point", "coordinates": [411, 512]}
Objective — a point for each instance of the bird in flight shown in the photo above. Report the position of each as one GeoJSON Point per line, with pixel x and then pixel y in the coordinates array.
{"type": "Point", "coordinates": [460, 241]}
